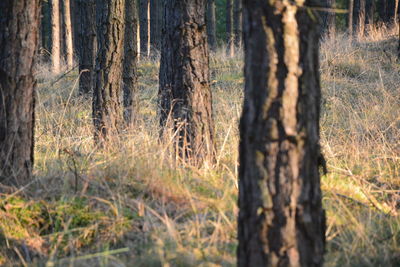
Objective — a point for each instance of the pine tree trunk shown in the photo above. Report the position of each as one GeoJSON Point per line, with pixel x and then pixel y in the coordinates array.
{"type": "Point", "coordinates": [19, 34]}
{"type": "Point", "coordinates": [107, 112]}
{"type": "Point", "coordinates": [55, 36]}
{"type": "Point", "coordinates": [46, 26]}
{"type": "Point", "coordinates": [86, 34]}
{"type": "Point", "coordinates": [155, 24]}
{"type": "Point", "coordinates": [238, 21]}
{"type": "Point", "coordinates": [359, 17]}
{"type": "Point", "coordinates": [69, 50]}
{"type": "Point", "coordinates": [369, 14]}
{"type": "Point", "coordinates": [144, 17]}
{"type": "Point", "coordinates": [350, 17]}
{"type": "Point", "coordinates": [382, 11]}
{"type": "Point", "coordinates": [281, 221]}
{"type": "Point", "coordinates": [185, 94]}
{"type": "Point", "coordinates": [129, 76]}
{"type": "Point", "coordinates": [331, 18]}
{"type": "Point", "coordinates": [230, 38]}
{"type": "Point", "coordinates": [211, 25]}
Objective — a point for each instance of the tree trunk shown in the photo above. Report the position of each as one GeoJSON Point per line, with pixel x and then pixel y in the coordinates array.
{"type": "Point", "coordinates": [19, 34]}
{"type": "Point", "coordinates": [281, 221]}
{"type": "Point", "coordinates": [238, 21]}
{"type": "Point", "coordinates": [211, 25]}
{"type": "Point", "coordinates": [230, 38]}
{"type": "Point", "coordinates": [55, 36]}
{"type": "Point", "coordinates": [86, 33]}
{"type": "Point", "coordinates": [396, 10]}
{"type": "Point", "coordinates": [369, 14]}
{"type": "Point", "coordinates": [144, 17]}
{"type": "Point", "coordinates": [130, 62]}
{"type": "Point", "coordinates": [359, 17]}
{"type": "Point", "coordinates": [45, 25]}
{"type": "Point", "coordinates": [185, 94]}
{"type": "Point", "coordinates": [382, 11]}
{"type": "Point", "coordinates": [107, 112]}
{"type": "Point", "coordinates": [69, 50]}
{"type": "Point", "coordinates": [155, 24]}
{"type": "Point", "coordinates": [331, 18]}
{"type": "Point", "coordinates": [350, 17]}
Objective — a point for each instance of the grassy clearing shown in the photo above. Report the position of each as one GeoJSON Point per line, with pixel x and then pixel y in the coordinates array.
{"type": "Point", "coordinates": [130, 205]}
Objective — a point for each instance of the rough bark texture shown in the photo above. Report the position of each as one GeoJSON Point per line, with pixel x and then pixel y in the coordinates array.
{"type": "Point", "coordinates": [67, 26]}
{"type": "Point", "coordinates": [144, 18]}
{"type": "Point", "coordinates": [281, 220]}
{"type": "Point", "coordinates": [55, 36]}
{"type": "Point", "coordinates": [359, 17]}
{"type": "Point", "coordinates": [107, 112]}
{"type": "Point", "coordinates": [230, 38]}
{"type": "Point", "coordinates": [238, 21]}
{"type": "Point", "coordinates": [350, 17]}
{"type": "Point", "coordinates": [211, 25]}
{"type": "Point", "coordinates": [155, 24]}
{"type": "Point", "coordinates": [185, 94]}
{"type": "Point", "coordinates": [129, 76]}
{"type": "Point", "coordinates": [19, 28]}
{"type": "Point", "coordinates": [86, 34]}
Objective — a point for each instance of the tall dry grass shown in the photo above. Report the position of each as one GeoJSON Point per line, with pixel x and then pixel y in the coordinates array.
{"type": "Point", "coordinates": [130, 204]}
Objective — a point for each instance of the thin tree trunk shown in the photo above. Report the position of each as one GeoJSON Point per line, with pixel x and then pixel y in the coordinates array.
{"type": "Point", "coordinates": [396, 11]}
{"type": "Point", "coordinates": [230, 38]}
{"type": "Point", "coordinates": [86, 33]}
{"type": "Point", "coordinates": [185, 94]}
{"type": "Point", "coordinates": [107, 112]}
{"type": "Point", "coordinates": [69, 50]}
{"type": "Point", "coordinates": [211, 25]}
{"type": "Point", "coordinates": [144, 17]}
{"type": "Point", "coordinates": [359, 17]}
{"type": "Point", "coordinates": [19, 34]}
{"type": "Point", "coordinates": [55, 36]}
{"type": "Point", "coordinates": [155, 24]}
{"type": "Point", "coordinates": [350, 17]}
{"type": "Point", "coordinates": [331, 18]}
{"type": "Point", "coordinates": [129, 76]}
{"type": "Point", "coordinates": [369, 14]}
{"type": "Point", "coordinates": [238, 21]}
{"type": "Point", "coordinates": [281, 220]}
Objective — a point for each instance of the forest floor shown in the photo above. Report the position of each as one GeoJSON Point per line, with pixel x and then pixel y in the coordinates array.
{"type": "Point", "coordinates": [130, 205]}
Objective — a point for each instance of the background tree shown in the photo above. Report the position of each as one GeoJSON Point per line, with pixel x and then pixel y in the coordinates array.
{"type": "Point", "coordinates": [129, 76]}
{"type": "Point", "coordinates": [211, 25]}
{"type": "Point", "coordinates": [359, 17]}
{"type": "Point", "coordinates": [155, 24]}
{"type": "Point", "coordinates": [19, 34]}
{"type": "Point", "coordinates": [281, 220]}
{"type": "Point", "coordinates": [185, 94]}
{"type": "Point", "coordinates": [67, 30]}
{"type": "Point", "coordinates": [369, 14]}
{"type": "Point", "coordinates": [238, 21]}
{"type": "Point", "coordinates": [55, 36]}
{"type": "Point", "coordinates": [350, 17]}
{"type": "Point", "coordinates": [144, 18]}
{"type": "Point", "coordinates": [107, 112]}
{"type": "Point", "coordinates": [331, 18]}
{"type": "Point", "coordinates": [86, 35]}
{"type": "Point", "coordinates": [230, 38]}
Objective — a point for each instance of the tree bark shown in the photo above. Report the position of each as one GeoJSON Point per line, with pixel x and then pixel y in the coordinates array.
{"type": "Point", "coordinates": [230, 38]}
{"type": "Point", "coordinates": [238, 21]}
{"type": "Point", "coordinates": [359, 17]}
{"type": "Point", "coordinates": [19, 34]}
{"type": "Point", "coordinates": [129, 76]}
{"type": "Point", "coordinates": [144, 17]}
{"type": "Point", "coordinates": [55, 36]}
{"type": "Point", "coordinates": [155, 24]}
{"type": "Point", "coordinates": [211, 26]}
{"type": "Point", "coordinates": [86, 33]}
{"type": "Point", "coordinates": [107, 112]}
{"type": "Point", "coordinates": [369, 13]}
{"type": "Point", "coordinates": [281, 221]}
{"type": "Point", "coordinates": [185, 95]}
{"type": "Point", "coordinates": [69, 50]}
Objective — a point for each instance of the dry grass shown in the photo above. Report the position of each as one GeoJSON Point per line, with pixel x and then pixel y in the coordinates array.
{"type": "Point", "coordinates": [129, 204]}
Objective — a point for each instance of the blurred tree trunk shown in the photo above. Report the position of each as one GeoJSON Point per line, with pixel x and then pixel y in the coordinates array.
{"type": "Point", "coordinates": [359, 17]}
{"type": "Point", "coordinates": [129, 75]}
{"type": "Point", "coordinates": [211, 25]}
{"type": "Point", "coordinates": [230, 38]}
{"type": "Point", "coordinates": [331, 18]}
{"type": "Point", "coordinates": [107, 112]}
{"type": "Point", "coordinates": [281, 219]}
{"type": "Point", "coordinates": [350, 17]}
{"type": "Point", "coordinates": [144, 17]}
{"type": "Point", "coordinates": [86, 35]}
{"type": "Point", "coordinates": [369, 14]}
{"type": "Point", "coordinates": [155, 24]}
{"type": "Point", "coordinates": [19, 34]}
{"type": "Point", "coordinates": [55, 36]}
{"type": "Point", "coordinates": [45, 25]}
{"type": "Point", "coordinates": [185, 95]}
{"type": "Point", "coordinates": [238, 21]}
{"type": "Point", "coordinates": [396, 11]}
{"type": "Point", "coordinates": [382, 11]}
{"type": "Point", "coordinates": [67, 30]}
